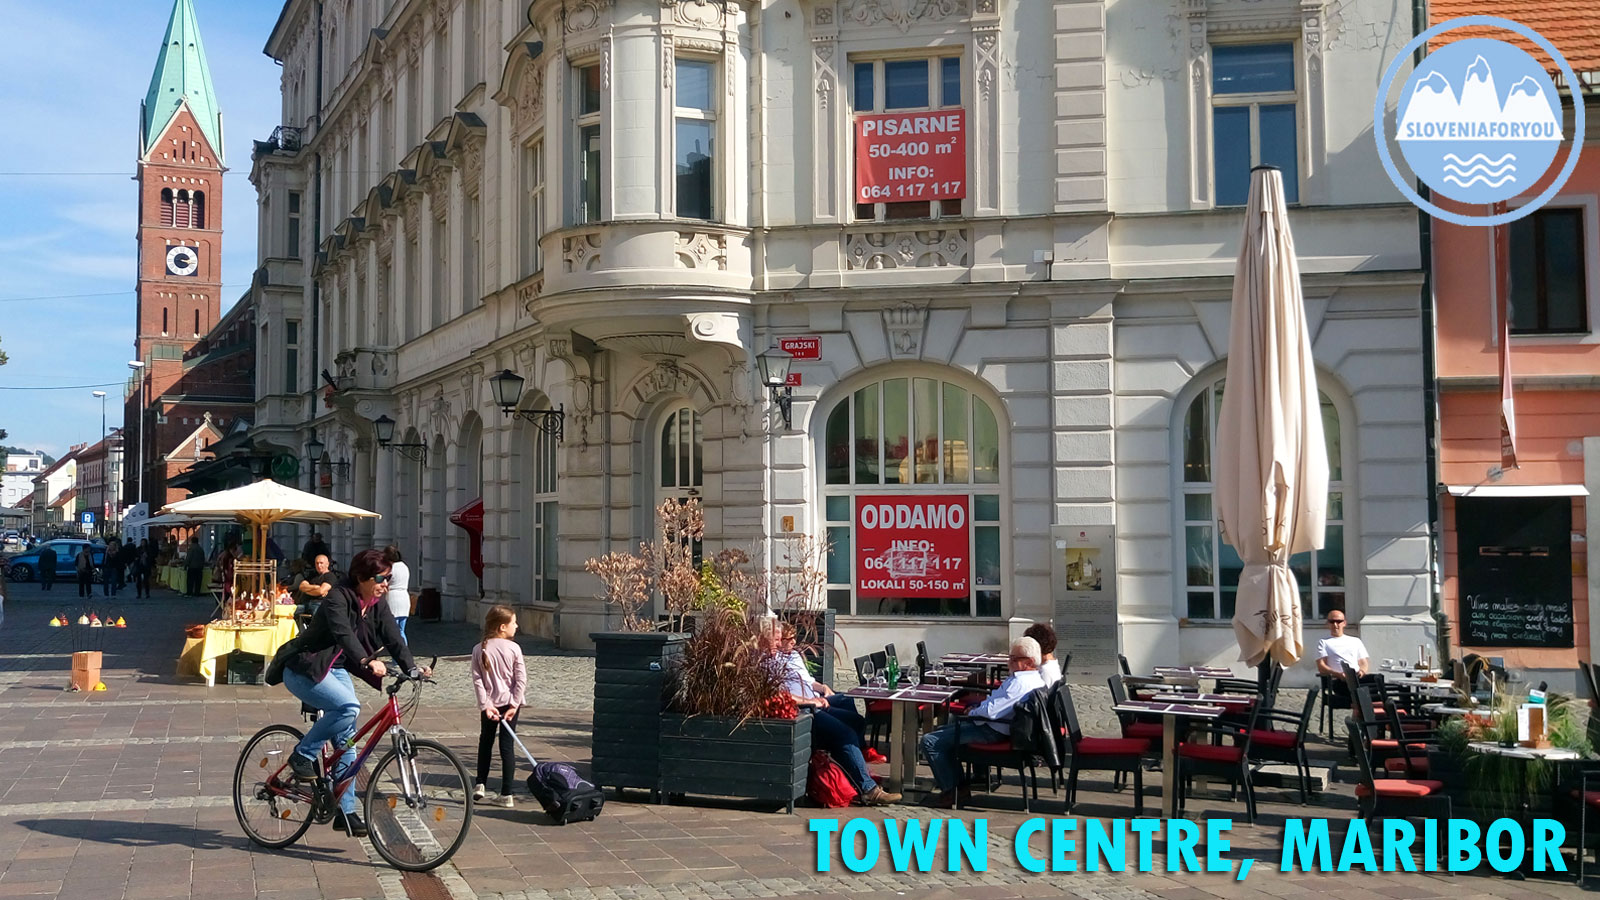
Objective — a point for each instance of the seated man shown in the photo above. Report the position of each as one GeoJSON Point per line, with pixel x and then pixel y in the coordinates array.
{"type": "Point", "coordinates": [312, 589]}
{"type": "Point", "coordinates": [939, 747]}
{"type": "Point", "coordinates": [837, 730]}
{"type": "Point", "coordinates": [1340, 647]}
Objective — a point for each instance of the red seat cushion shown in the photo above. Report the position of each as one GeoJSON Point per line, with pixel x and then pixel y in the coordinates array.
{"type": "Point", "coordinates": [989, 746]}
{"type": "Point", "coordinates": [1150, 731]}
{"type": "Point", "coordinates": [878, 706]}
{"type": "Point", "coordinates": [1592, 798]}
{"type": "Point", "coordinates": [1413, 727]}
{"type": "Point", "coordinates": [1398, 764]}
{"type": "Point", "coordinates": [1399, 787]}
{"type": "Point", "coordinates": [1387, 744]}
{"type": "Point", "coordinates": [1111, 746]}
{"type": "Point", "coordinates": [1280, 739]}
{"type": "Point", "coordinates": [1211, 752]}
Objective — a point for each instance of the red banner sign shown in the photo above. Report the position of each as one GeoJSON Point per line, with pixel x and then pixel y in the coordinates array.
{"type": "Point", "coordinates": [802, 347]}
{"type": "Point", "coordinates": [911, 156]}
{"type": "Point", "coordinates": [913, 546]}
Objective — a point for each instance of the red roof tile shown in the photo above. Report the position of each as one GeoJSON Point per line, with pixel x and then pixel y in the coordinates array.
{"type": "Point", "coordinates": [1573, 26]}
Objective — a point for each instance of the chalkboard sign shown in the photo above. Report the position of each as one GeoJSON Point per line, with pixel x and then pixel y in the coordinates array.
{"type": "Point", "coordinates": [1515, 571]}
{"type": "Point", "coordinates": [1500, 620]}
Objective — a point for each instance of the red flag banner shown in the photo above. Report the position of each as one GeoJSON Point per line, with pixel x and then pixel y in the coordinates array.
{"type": "Point", "coordinates": [1500, 266]}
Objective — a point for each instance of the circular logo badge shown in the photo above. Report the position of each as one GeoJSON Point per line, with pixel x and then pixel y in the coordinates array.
{"type": "Point", "coordinates": [1479, 121]}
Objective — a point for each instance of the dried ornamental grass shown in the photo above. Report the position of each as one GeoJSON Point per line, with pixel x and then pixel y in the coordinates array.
{"type": "Point", "coordinates": [727, 670]}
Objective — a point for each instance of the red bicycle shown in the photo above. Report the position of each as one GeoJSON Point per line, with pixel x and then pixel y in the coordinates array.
{"type": "Point", "coordinates": [418, 802]}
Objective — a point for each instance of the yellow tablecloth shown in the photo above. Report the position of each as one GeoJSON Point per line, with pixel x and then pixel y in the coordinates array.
{"type": "Point", "coordinates": [200, 654]}
{"type": "Point", "coordinates": [174, 577]}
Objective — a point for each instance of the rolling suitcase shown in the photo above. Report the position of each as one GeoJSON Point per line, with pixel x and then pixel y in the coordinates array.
{"type": "Point", "coordinates": [558, 787]}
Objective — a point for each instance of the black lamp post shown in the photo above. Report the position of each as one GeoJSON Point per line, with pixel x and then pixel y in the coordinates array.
{"type": "Point", "coordinates": [383, 426]}
{"type": "Point", "coordinates": [507, 387]}
{"type": "Point", "coordinates": [773, 364]}
{"type": "Point", "coordinates": [314, 450]}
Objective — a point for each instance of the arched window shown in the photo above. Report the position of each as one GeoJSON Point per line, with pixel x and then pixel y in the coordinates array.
{"type": "Point", "coordinates": [682, 468]}
{"type": "Point", "coordinates": [197, 209]}
{"type": "Point", "coordinates": [1211, 565]}
{"type": "Point", "coordinates": [168, 216]}
{"type": "Point", "coordinates": [903, 438]}
{"type": "Point", "coordinates": [546, 517]}
{"type": "Point", "coordinates": [164, 312]}
{"type": "Point", "coordinates": [197, 323]}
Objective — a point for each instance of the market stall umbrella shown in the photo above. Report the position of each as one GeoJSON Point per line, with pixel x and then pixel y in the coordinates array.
{"type": "Point", "coordinates": [263, 504]}
{"type": "Point", "coordinates": [1271, 463]}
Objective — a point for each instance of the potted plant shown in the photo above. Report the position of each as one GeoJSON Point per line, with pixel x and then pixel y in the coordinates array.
{"type": "Point", "coordinates": [1500, 785]}
{"type": "Point", "coordinates": [731, 728]}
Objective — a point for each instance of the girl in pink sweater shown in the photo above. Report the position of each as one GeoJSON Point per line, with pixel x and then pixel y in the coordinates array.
{"type": "Point", "coordinates": [500, 678]}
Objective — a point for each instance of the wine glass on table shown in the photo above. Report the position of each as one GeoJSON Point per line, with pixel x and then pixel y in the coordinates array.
{"type": "Point", "coordinates": [867, 673]}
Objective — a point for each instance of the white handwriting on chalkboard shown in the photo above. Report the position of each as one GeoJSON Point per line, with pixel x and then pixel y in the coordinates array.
{"type": "Point", "coordinates": [1516, 621]}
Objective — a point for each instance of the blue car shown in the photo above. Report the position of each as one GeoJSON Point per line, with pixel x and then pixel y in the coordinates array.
{"type": "Point", "coordinates": [25, 566]}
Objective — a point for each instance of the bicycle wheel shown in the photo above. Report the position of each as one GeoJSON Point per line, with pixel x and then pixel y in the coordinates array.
{"type": "Point", "coordinates": [273, 809]}
{"type": "Point", "coordinates": [419, 805]}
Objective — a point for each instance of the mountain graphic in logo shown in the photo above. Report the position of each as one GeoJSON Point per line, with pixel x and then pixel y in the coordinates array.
{"type": "Point", "coordinates": [1435, 113]}
{"type": "Point", "coordinates": [1477, 144]}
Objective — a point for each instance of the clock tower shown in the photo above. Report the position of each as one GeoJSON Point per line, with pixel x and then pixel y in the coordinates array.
{"type": "Point", "coordinates": [179, 172]}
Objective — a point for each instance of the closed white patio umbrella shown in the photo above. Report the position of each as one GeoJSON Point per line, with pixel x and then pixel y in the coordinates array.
{"type": "Point", "coordinates": [1271, 463]}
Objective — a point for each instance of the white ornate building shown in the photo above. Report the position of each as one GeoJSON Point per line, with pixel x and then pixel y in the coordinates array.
{"type": "Point", "coordinates": [624, 200]}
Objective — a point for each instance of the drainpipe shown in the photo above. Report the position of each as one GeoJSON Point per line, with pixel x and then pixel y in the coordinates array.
{"type": "Point", "coordinates": [1430, 381]}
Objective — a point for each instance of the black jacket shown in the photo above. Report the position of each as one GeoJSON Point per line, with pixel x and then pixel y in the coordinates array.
{"type": "Point", "coordinates": [341, 634]}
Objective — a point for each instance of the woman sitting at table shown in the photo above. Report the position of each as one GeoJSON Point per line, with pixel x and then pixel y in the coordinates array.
{"type": "Point", "coordinates": [1049, 666]}
{"type": "Point", "coordinates": [836, 727]}
{"type": "Point", "coordinates": [939, 747]}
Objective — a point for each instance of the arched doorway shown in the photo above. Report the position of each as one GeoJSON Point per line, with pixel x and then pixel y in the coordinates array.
{"type": "Point", "coordinates": [536, 563]}
{"type": "Point", "coordinates": [679, 467]}
{"type": "Point", "coordinates": [468, 487]}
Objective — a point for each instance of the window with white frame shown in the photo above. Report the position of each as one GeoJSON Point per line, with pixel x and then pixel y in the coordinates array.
{"type": "Point", "coordinates": [1211, 565]}
{"type": "Point", "coordinates": [586, 125]}
{"type": "Point", "coordinates": [439, 285]}
{"type": "Point", "coordinates": [919, 83]}
{"type": "Point", "coordinates": [293, 249]}
{"type": "Point", "coordinates": [472, 259]}
{"type": "Point", "coordinates": [291, 356]}
{"type": "Point", "coordinates": [546, 518]}
{"type": "Point", "coordinates": [1254, 118]}
{"type": "Point", "coordinates": [441, 75]}
{"type": "Point", "coordinates": [913, 435]}
{"type": "Point", "coordinates": [532, 207]}
{"type": "Point", "coordinates": [695, 109]}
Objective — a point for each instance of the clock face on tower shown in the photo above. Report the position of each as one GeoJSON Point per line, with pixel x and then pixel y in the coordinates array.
{"type": "Point", "coordinates": [182, 261]}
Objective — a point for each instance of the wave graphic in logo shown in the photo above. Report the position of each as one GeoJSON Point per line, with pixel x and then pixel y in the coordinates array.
{"type": "Point", "coordinates": [1469, 138]}
{"type": "Point", "coordinates": [1466, 172]}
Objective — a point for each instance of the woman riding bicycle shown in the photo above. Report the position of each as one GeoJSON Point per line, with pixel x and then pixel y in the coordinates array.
{"type": "Point", "coordinates": [349, 632]}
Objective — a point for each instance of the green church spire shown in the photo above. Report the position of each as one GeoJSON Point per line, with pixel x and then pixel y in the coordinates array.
{"type": "Point", "coordinates": [181, 76]}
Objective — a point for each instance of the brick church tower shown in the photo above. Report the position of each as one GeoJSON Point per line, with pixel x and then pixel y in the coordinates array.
{"type": "Point", "coordinates": [179, 290]}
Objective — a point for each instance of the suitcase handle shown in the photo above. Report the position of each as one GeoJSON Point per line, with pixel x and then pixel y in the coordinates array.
{"type": "Point", "coordinates": [524, 747]}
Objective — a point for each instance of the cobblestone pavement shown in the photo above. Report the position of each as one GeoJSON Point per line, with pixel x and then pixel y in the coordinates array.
{"type": "Point", "coordinates": [125, 794]}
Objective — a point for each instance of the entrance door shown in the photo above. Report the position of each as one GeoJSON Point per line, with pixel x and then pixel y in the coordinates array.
{"type": "Point", "coordinates": [681, 466]}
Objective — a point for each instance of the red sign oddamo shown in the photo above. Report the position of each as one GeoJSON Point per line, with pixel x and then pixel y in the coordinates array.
{"type": "Point", "coordinates": [911, 156]}
{"type": "Point", "coordinates": [913, 546]}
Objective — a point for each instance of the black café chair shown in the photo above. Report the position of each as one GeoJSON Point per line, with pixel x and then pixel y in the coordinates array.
{"type": "Point", "coordinates": [1287, 745]}
{"type": "Point", "coordinates": [878, 711]}
{"type": "Point", "coordinates": [1020, 750]}
{"type": "Point", "coordinates": [1123, 662]}
{"type": "Point", "coordinates": [1120, 755]}
{"type": "Point", "coordinates": [923, 662]}
{"type": "Point", "coordinates": [1214, 759]}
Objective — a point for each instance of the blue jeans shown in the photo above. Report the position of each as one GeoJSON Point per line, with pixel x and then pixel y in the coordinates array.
{"type": "Point", "coordinates": [335, 695]}
{"type": "Point", "coordinates": [401, 621]}
{"type": "Point", "coordinates": [939, 749]}
{"type": "Point", "coordinates": [832, 731]}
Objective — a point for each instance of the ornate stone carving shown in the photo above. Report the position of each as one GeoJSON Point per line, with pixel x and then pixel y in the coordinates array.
{"type": "Point", "coordinates": [605, 64]}
{"type": "Point", "coordinates": [528, 106]}
{"type": "Point", "coordinates": [822, 63]}
{"type": "Point", "coordinates": [442, 417]}
{"type": "Point", "coordinates": [529, 291]}
{"type": "Point", "coordinates": [988, 7]}
{"type": "Point", "coordinates": [584, 15]}
{"type": "Point", "coordinates": [904, 325]}
{"type": "Point", "coordinates": [901, 13]}
{"type": "Point", "coordinates": [824, 14]}
{"type": "Point", "coordinates": [741, 402]}
{"type": "Point", "coordinates": [582, 412]}
{"type": "Point", "coordinates": [988, 62]}
{"type": "Point", "coordinates": [413, 44]}
{"type": "Point", "coordinates": [668, 63]}
{"type": "Point", "coordinates": [441, 16]}
{"type": "Point", "coordinates": [666, 378]}
{"type": "Point", "coordinates": [696, 13]}
{"type": "Point", "coordinates": [1311, 33]}
{"type": "Point", "coordinates": [702, 250]}
{"type": "Point", "coordinates": [907, 249]}
{"type": "Point", "coordinates": [581, 252]}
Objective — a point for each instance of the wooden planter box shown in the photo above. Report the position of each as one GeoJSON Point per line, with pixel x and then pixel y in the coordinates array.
{"type": "Point", "coordinates": [758, 759]}
{"type": "Point", "coordinates": [630, 677]}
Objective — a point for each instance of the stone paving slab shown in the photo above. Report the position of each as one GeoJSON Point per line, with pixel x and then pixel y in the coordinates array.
{"type": "Point", "coordinates": [125, 794]}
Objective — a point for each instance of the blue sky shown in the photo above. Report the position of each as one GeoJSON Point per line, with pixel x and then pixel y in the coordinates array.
{"type": "Point", "coordinates": [74, 72]}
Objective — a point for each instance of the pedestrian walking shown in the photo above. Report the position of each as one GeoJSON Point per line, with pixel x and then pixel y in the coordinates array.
{"type": "Point", "coordinates": [399, 596]}
{"type": "Point", "coordinates": [111, 568]}
{"type": "Point", "coordinates": [139, 569]}
{"type": "Point", "coordinates": [84, 564]}
{"type": "Point", "coordinates": [500, 680]}
{"type": "Point", "coordinates": [47, 566]}
{"type": "Point", "coordinates": [194, 561]}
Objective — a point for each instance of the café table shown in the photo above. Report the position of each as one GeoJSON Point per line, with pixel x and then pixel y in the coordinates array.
{"type": "Point", "coordinates": [903, 723]}
{"type": "Point", "coordinates": [1193, 672]}
{"type": "Point", "coordinates": [1170, 713]}
{"type": "Point", "coordinates": [987, 663]}
{"type": "Point", "coordinates": [1446, 710]}
{"type": "Point", "coordinates": [1230, 702]}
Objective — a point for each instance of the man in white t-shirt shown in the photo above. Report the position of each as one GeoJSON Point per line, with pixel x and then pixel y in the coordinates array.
{"type": "Point", "coordinates": [1340, 648]}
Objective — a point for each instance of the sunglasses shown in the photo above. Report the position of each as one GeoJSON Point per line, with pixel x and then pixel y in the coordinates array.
{"type": "Point", "coordinates": [1335, 621]}
{"type": "Point", "coordinates": [381, 578]}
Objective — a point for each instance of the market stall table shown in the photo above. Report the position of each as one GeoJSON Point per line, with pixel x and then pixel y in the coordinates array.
{"type": "Point", "coordinates": [903, 724]}
{"type": "Point", "coordinates": [1170, 713]}
{"type": "Point", "coordinates": [222, 638]}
